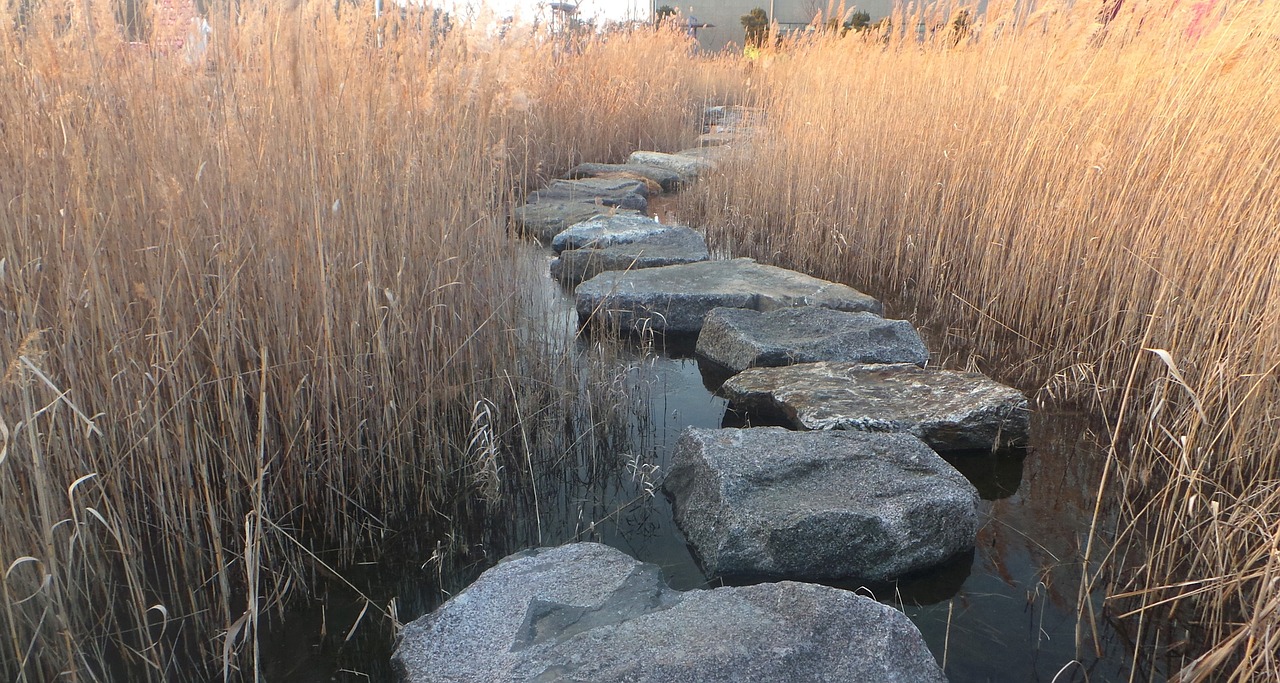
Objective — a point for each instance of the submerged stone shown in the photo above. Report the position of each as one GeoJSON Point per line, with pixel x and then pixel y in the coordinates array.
{"type": "Point", "coordinates": [818, 505]}
{"type": "Point", "coordinates": [587, 612]}
{"type": "Point", "coordinates": [948, 410]}
{"type": "Point", "coordinates": [676, 299]}
{"type": "Point", "coordinates": [672, 246]}
{"type": "Point", "coordinates": [669, 181]}
{"type": "Point", "coordinates": [739, 338]}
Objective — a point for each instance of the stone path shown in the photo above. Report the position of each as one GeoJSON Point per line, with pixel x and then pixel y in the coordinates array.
{"type": "Point", "coordinates": [856, 490]}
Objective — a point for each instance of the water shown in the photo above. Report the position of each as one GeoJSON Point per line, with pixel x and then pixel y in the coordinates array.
{"type": "Point", "coordinates": [1005, 612]}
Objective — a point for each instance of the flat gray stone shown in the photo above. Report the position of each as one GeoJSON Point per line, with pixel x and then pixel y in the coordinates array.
{"type": "Point", "coordinates": [672, 246]}
{"type": "Point", "coordinates": [586, 612]}
{"type": "Point", "coordinates": [624, 193]}
{"type": "Point", "coordinates": [711, 155]}
{"type": "Point", "coordinates": [768, 502]}
{"type": "Point", "coordinates": [669, 181]}
{"type": "Point", "coordinates": [688, 168]}
{"type": "Point", "coordinates": [719, 138]}
{"type": "Point", "coordinates": [544, 220]}
{"type": "Point", "coordinates": [948, 410]}
{"type": "Point", "coordinates": [675, 299]}
{"type": "Point", "coordinates": [739, 338]}
{"type": "Point", "coordinates": [603, 231]}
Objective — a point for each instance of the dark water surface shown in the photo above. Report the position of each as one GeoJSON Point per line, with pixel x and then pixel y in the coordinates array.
{"type": "Point", "coordinates": [1005, 612]}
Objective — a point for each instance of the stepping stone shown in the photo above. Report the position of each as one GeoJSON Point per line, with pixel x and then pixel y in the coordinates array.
{"type": "Point", "coordinates": [730, 117]}
{"type": "Point", "coordinates": [948, 410]}
{"type": "Point", "coordinates": [769, 502]}
{"type": "Point", "coordinates": [544, 220]}
{"type": "Point", "coordinates": [587, 612]}
{"type": "Point", "coordinates": [739, 338]}
{"type": "Point", "coordinates": [675, 299]}
{"type": "Point", "coordinates": [711, 155]}
{"type": "Point", "coordinates": [671, 246]}
{"type": "Point", "coordinates": [718, 139]}
{"type": "Point", "coordinates": [669, 181]}
{"type": "Point", "coordinates": [623, 193]}
{"type": "Point", "coordinates": [687, 167]}
{"type": "Point", "coordinates": [603, 231]}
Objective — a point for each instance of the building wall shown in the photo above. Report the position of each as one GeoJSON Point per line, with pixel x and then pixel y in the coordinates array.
{"type": "Point", "coordinates": [727, 15]}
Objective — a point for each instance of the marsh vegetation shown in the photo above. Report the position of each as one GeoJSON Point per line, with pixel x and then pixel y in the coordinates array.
{"type": "Point", "coordinates": [261, 318]}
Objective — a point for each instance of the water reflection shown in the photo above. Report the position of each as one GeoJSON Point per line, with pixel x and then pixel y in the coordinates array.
{"type": "Point", "coordinates": [995, 474]}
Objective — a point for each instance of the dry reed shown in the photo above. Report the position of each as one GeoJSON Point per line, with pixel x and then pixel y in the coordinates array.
{"type": "Point", "coordinates": [265, 309]}
{"type": "Point", "coordinates": [1089, 202]}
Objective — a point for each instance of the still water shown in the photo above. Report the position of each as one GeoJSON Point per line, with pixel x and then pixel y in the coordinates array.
{"type": "Point", "coordinates": [1006, 612]}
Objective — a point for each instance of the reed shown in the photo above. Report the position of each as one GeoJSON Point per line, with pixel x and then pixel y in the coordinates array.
{"type": "Point", "coordinates": [1087, 204]}
{"type": "Point", "coordinates": [265, 309]}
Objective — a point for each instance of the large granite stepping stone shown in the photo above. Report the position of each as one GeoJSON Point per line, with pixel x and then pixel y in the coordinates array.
{"type": "Point", "coordinates": [769, 502]}
{"type": "Point", "coordinates": [587, 612]}
{"type": "Point", "coordinates": [669, 181]}
{"type": "Point", "coordinates": [718, 139]}
{"type": "Point", "coordinates": [675, 299]}
{"type": "Point", "coordinates": [711, 155]}
{"type": "Point", "coordinates": [623, 193]}
{"type": "Point", "coordinates": [948, 410]}
{"type": "Point", "coordinates": [546, 219]}
{"type": "Point", "coordinates": [688, 167]}
{"type": "Point", "coordinates": [604, 231]}
{"type": "Point", "coordinates": [672, 246]}
{"type": "Point", "coordinates": [739, 338]}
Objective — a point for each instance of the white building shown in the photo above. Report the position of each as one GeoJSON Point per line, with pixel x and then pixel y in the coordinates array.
{"type": "Point", "coordinates": [725, 16]}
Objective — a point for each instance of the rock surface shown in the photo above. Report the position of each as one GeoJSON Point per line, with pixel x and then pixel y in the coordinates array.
{"type": "Point", "coordinates": [604, 231]}
{"type": "Point", "coordinates": [673, 246]}
{"type": "Point", "coordinates": [709, 155]}
{"type": "Point", "coordinates": [948, 410]}
{"type": "Point", "coordinates": [669, 181]}
{"type": "Point", "coordinates": [688, 167]}
{"type": "Point", "coordinates": [718, 139]}
{"type": "Point", "coordinates": [587, 612]}
{"type": "Point", "coordinates": [818, 505]}
{"type": "Point", "coordinates": [676, 299]}
{"type": "Point", "coordinates": [544, 220]}
{"type": "Point", "coordinates": [623, 193]}
{"type": "Point", "coordinates": [739, 339]}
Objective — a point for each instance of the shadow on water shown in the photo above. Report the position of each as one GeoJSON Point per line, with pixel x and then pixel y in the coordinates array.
{"type": "Point", "coordinates": [1005, 612]}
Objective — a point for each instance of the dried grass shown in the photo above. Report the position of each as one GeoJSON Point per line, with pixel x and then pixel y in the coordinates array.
{"type": "Point", "coordinates": [1083, 198]}
{"type": "Point", "coordinates": [267, 310]}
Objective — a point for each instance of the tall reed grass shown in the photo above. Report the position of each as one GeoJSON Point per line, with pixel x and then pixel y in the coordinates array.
{"type": "Point", "coordinates": [259, 314]}
{"type": "Point", "coordinates": [1088, 202]}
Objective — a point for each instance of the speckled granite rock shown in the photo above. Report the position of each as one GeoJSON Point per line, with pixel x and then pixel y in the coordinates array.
{"type": "Point", "coordinates": [604, 231]}
{"type": "Point", "coordinates": [673, 246]}
{"type": "Point", "coordinates": [740, 338]}
{"type": "Point", "coordinates": [818, 505]}
{"type": "Point", "coordinates": [587, 612]}
{"type": "Point", "coordinates": [544, 220]}
{"type": "Point", "coordinates": [669, 181]}
{"type": "Point", "coordinates": [687, 167]}
{"type": "Point", "coordinates": [623, 193]}
{"type": "Point", "coordinates": [948, 410]}
{"type": "Point", "coordinates": [676, 299]}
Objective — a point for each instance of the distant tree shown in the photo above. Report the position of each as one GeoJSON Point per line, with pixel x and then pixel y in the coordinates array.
{"type": "Point", "coordinates": [665, 12]}
{"type": "Point", "coordinates": [858, 21]}
{"type": "Point", "coordinates": [960, 26]}
{"type": "Point", "coordinates": [756, 23]}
